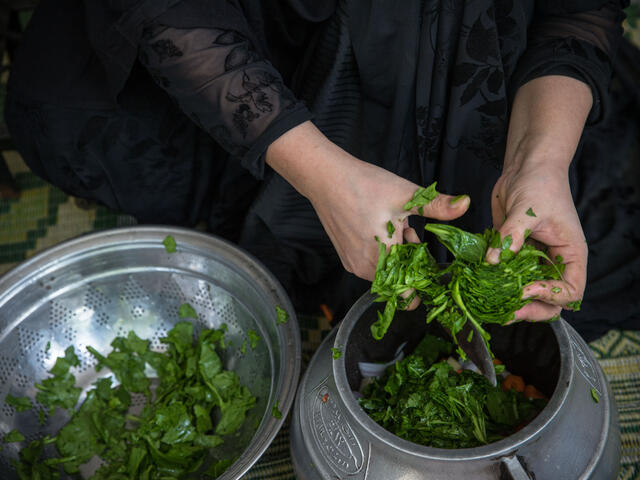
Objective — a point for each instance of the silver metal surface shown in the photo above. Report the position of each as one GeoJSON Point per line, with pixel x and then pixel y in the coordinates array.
{"type": "Point", "coordinates": [91, 289]}
{"type": "Point", "coordinates": [572, 438]}
{"type": "Point", "coordinates": [477, 351]}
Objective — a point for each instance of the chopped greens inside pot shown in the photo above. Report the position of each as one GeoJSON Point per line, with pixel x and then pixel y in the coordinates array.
{"type": "Point", "coordinates": [424, 400]}
{"type": "Point", "coordinates": [196, 405]}
{"type": "Point", "coordinates": [469, 289]}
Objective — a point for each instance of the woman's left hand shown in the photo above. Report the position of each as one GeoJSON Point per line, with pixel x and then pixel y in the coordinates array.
{"type": "Point", "coordinates": [534, 195]}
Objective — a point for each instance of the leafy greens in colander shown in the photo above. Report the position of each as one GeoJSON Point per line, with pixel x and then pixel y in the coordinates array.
{"type": "Point", "coordinates": [195, 406]}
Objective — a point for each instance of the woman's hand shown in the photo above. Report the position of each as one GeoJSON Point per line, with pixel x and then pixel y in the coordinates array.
{"type": "Point", "coordinates": [535, 197]}
{"type": "Point", "coordinates": [533, 193]}
{"type": "Point", "coordinates": [353, 199]}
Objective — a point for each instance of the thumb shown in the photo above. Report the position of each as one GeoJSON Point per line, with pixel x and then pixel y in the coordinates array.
{"type": "Point", "coordinates": [513, 232]}
{"type": "Point", "coordinates": [444, 207]}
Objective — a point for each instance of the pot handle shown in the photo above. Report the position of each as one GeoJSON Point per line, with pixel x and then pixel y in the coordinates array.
{"type": "Point", "coordinates": [512, 469]}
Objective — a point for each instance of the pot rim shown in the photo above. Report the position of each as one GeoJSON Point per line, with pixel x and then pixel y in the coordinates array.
{"type": "Point", "coordinates": [496, 449]}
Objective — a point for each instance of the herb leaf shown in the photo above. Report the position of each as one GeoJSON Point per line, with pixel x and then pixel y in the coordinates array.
{"type": "Point", "coordinates": [60, 390]}
{"type": "Point", "coordinates": [469, 247]}
{"type": "Point", "coordinates": [390, 228]}
{"type": "Point", "coordinates": [530, 212]}
{"type": "Point", "coordinates": [281, 315]}
{"type": "Point", "coordinates": [187, 311]}
{"type": "Point", "coordinates": [335, 353]}
{"type": "Point", "coordinates": [575, 306]}
{"type": "Point", "coordinates": [13, 436]}
{"type": "Point", "coordinates": [594, 395]}
{"type": "Point", "coordinates": [421, 197]}
{"type": "Point", "coordinates": [169, 244]}
{"type": "Point", "coordinates": [254, 338]}
{"type": "Point", "coordinates": [275, 411]}
{"type": "Point", "coordinates": [19, 403]}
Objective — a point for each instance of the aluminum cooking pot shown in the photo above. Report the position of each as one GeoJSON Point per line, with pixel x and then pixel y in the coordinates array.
{"type": "Point", "coordinates": [573, 437]}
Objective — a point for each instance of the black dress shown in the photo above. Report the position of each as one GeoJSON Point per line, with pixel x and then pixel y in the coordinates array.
{"type": "Point", "coordinates": [164, 109]}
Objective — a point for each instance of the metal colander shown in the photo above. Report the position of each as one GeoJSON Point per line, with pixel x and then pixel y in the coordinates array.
{"type": "Point", "coordinates": [89, 290]}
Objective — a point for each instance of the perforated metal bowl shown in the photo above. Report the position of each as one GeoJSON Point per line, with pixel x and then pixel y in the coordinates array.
{"type": "Point", "coordinates": [91, 289]}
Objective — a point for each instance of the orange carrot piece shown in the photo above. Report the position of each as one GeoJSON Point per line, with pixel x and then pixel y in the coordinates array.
{"type": "Point", "coordinates": [514, 382]}
{"type": "Point", "coordinates": [327, 312]}
{"type": "Point", "coordinates": [532, 392]}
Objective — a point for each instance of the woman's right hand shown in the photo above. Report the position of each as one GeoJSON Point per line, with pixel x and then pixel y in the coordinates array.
{"type": "Point", "coordinates": [353, 199]}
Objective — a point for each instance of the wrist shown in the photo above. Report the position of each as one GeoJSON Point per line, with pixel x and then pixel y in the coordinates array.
{"type": "Point", "coordinates": [301, 157]}
{"type": "Point", "coordinates": [539, 152]}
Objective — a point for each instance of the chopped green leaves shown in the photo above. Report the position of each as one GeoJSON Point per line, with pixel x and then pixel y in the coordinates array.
{"type": "Point", "coordinates": [335, 353]}
{"type": "Point", "coordinates": [281, 315]}
{"type": "Point", "coordinates": [556, 289]}
{"type": "Point", "coordinates": [425, 401]}
{"type": "Point", "coordinates": [530, 212]}
{"type": "Point", "coordinates": [169, 244]}
{"type": "Point", "coordinates": [275, 411]}
{"type": "Point", "coordinates": [575, 306]}
{"type": "Point", "coordinates": [506, 253]}
{"type": "Point", "coordinates": [403, 267]}
{"type": "Point", "coordinates": [60, 390]}
{"type": "Point", "coordinates": [470, 289]}
{"type": "Point", "coordinates": [187, 311]}
{"type": "Point", "coordinates": [421, 197]}
{"type": "Point", "coordinates": [254, 338]}
{"type": "Point", "coordinates": [390, 229]}
{"type": "Point", "coordinates": [466, 246]}
{"type": "Point", "coordinates": [196, 404]}
{"type": "Point", "coordinates": [14, 436]}
{"type": "Point", "coordinates": [19, 403]}
{"type": "Point", "coordinates": [594, 395]}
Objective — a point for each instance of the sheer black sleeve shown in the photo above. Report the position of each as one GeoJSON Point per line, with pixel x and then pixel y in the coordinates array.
{"type": "Point", "coordinates": [577, 39]}
{"type": "Point", "coordinates": [226, 87]}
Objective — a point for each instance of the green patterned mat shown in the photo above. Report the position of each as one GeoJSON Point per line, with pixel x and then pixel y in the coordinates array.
{"type": "Point", "coordinates": [44, 216]}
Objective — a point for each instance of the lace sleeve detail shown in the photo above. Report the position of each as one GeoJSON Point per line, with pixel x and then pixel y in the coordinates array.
{"type": "Point", "coordinates": [579, 44]}
{"type": "Point", "coordinates": [224, 86]}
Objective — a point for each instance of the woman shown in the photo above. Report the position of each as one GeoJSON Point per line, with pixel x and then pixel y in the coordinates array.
{"type": "Point", "coordinates": [170, 110]}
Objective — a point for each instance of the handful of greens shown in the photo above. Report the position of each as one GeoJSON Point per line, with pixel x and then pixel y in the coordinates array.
{"type": "Point", "coordinates": [425, 401]}
{"type": "Point", "coordinates": [469, 289]}
{"type": "Point", "coordinates": [195, 405]}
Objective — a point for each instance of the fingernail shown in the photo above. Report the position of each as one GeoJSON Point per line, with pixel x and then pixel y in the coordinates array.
{"type": "Point", "coordinates": [493, 255]}
{"type": "Point", "coordinates": [455, 200]}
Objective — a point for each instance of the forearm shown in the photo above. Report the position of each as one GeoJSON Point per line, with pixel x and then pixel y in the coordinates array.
{"type": "Point", "coordinates": [547, 119]}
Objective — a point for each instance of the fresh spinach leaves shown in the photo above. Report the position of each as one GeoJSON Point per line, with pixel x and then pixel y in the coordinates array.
{"type": "Point", "coordinates": [196, 404]}
{"type": "Point", "coordinates": [425, 401]}
{"type": "Point", "coordinates": [469, 289]}
{"type": "Point", "coordinates": [281, 315]}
